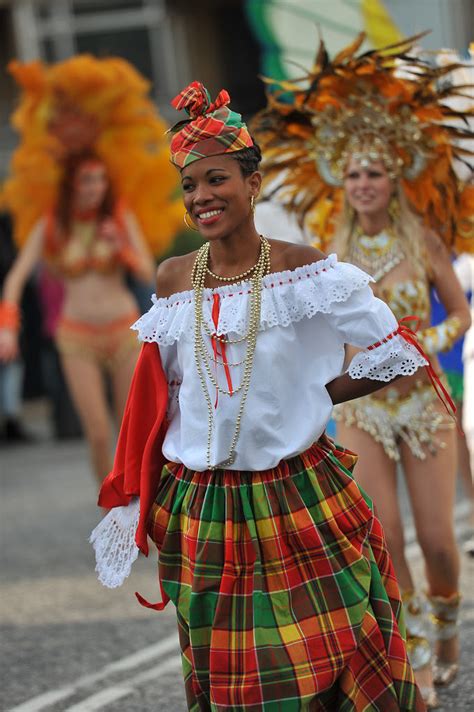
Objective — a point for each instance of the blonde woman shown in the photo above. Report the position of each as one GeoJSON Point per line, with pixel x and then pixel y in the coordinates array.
{"type": "Point", "coordinates": [405, 423]}
{"type": "Point", "coordinates": [361, 144]}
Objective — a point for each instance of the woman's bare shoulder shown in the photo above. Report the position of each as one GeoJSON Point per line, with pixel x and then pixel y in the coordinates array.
{"type": "Point", "coordinates": [433, 242]}
{"type": "Point", "coordinates": [288, 256]}
{"type": "Point", "coordinates": [436, 251]}
{"type": "Point", "coordinates": [174, 275]}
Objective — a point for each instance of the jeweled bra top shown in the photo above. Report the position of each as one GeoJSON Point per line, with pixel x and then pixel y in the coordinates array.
{"type": "Point", "coordinates": [407, 298]}
{"type": "Point", "coordinates": [378, 255]}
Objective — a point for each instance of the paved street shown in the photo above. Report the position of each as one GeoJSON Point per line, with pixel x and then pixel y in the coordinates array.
{"type": "Point", "coordinates": [68, 643]}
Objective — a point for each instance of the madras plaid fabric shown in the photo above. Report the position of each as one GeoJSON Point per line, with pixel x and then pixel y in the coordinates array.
{"type": "Point", "coordinates": [285, 594]}
{"type": "Point", "coordinates": [212, 129]}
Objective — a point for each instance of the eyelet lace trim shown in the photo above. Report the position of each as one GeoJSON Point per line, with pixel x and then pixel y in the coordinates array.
{"type": "Point", "coordinates": [393, 358]}
{"type": "Point", "coordinates": [113, 540]}
{"type": "Point", "coordinates": [287, 297]}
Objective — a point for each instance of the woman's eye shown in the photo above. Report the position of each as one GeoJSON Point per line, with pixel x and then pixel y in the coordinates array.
{"type": "Point", "coordinates": [352, 176]}
{"type": "Point", "coordinates": [217, 179]}
{"type": "Point", "coordinates": [187, 187]}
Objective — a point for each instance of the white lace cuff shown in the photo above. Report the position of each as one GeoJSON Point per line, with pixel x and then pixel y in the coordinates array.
{"type": "Point", "coordinates": [394, 357]}
{"type": "Point", "coordinates": [113, 540]}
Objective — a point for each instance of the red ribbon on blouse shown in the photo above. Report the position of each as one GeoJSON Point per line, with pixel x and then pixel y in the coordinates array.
{"type": "Point", "coordinates": [215, 343]}
{"type": "Point", "coordinates": [409, 335]}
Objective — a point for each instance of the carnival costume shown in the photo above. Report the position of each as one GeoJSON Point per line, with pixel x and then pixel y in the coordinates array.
{"type": "Point", "coordinates": [361, 106]}
{"type": "Point", "coordinates": [380, 105]}
{"type": "Point", "coordinates": [99, 109]}
{"type": "Point", "coordinates": [278, 568]}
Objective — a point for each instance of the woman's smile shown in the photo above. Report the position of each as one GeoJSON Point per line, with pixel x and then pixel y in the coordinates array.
{"type": "Point", "coordinates": [217, 195]}
{"type": "Point", "coordinates": [368, 189]}
{"type": "Point", "coordinates": [208, 217]}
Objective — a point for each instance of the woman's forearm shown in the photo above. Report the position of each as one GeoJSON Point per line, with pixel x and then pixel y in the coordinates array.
{"type": "Point", "coordinates": [15, 283]}
{"type": "Point", "coordinates": [344, 388]}
{"type": "Point", "coordinates": [144, 266]}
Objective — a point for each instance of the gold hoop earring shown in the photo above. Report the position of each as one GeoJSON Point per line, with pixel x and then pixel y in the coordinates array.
{"type": "Point", "coordinates": [190, 226]}
{"type": "Point", "coordinates": [252, 204]}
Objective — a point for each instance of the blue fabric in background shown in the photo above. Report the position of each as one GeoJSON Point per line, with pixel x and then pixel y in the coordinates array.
{"type": "Point", "coordinates": [452, 359]}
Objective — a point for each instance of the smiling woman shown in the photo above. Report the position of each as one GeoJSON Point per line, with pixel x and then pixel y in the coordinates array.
{"type": "Point", "coordinates": [213, 194]}
{"type": "Point", "coordinates": [274, 559]}
{"type": "Point", "coordinates": [368, 187]}
{"type": "Point", "coordinates": [406, 423]}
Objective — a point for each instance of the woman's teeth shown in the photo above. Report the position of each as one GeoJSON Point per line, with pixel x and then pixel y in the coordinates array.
{"type": "Point", "coordinates": [210, 214]}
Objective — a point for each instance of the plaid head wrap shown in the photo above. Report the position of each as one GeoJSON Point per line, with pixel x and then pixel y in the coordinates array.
{"type": "Point", "coordinates": [212, 128]}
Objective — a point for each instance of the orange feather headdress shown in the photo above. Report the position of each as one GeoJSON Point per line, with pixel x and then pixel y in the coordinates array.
{"type": "Point", "coordinates": [380, 105]}
{"type": "Point", "coordinates": [100, 105]}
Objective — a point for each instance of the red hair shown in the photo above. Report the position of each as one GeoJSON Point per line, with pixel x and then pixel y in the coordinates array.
{"type": "Point", "coordinates": [64, 207]}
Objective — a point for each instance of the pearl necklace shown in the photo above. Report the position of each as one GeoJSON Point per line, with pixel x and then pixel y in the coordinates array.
{"type": "Point", "coordinates": [201, 355]}
{"type": "Point", "coordinates": [376, 254]}
{"type": "Point", "coordinates": [237, 278]}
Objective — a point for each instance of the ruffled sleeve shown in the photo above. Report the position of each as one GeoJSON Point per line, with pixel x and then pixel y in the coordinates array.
{"type": "Point", "coordinates": [365, 321]}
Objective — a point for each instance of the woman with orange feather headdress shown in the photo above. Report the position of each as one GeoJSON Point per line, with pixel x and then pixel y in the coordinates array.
{"type": "Point", "coordinates": [361, 149]}
{"type": "Point", "coordinates": [90, 192]}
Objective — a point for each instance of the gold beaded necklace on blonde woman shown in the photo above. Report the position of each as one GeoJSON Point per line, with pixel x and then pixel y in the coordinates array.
{"type": "Point", "coordinates": [375, 254]}
{"type": "Point", "coordinates": [203, 358]}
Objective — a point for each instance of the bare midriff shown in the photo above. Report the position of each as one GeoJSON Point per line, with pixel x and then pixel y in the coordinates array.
{"type": "Point", "coordinates": [97, 298]}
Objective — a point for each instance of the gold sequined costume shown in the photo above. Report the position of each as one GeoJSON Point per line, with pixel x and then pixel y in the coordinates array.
{"type": "Point", "coordinates": [379, 105]}
{"type": "Point", "coordinates": [390, 417]}
{"type": "Point", "coordinates": [413, 419]}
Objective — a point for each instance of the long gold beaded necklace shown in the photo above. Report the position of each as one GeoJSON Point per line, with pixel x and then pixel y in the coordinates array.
{"type": "Point", "coordinates": [201, 354]}
{"type": "Point", "coordinates": [376, 254]}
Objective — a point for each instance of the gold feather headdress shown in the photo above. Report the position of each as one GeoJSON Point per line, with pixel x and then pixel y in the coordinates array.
{"type": "Point", "coordinates": [380, 105]}
{"type": "Point", "coordinates": [99, 105]}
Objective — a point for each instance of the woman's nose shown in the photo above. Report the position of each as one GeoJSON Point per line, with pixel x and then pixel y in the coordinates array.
{"type": "Point", "coordinates": [202, 194]}
{"type": "Point", "coordinates": [364, 180]}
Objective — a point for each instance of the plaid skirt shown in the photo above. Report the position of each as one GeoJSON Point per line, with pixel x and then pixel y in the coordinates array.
{"type": "Point", "coordinates": [285, 594]}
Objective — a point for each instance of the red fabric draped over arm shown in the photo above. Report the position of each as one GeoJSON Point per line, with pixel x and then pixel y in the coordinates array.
{"type": "Point", "coordinates": [139, 458]}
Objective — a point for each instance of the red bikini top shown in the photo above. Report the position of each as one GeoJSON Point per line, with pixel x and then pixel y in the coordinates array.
{"type": "Point", "coordinates": [86, 248]}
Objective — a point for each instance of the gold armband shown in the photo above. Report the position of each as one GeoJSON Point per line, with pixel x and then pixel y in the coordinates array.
{"type": "Point", "coordinates": [442, 337]}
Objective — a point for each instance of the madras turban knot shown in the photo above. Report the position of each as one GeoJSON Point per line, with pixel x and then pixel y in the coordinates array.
{"type": "Point", "coordinates": [196, 100]}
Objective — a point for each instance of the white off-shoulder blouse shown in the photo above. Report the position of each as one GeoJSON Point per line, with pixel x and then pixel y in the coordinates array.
{"type": "Point", "coordinates": [307, 316]}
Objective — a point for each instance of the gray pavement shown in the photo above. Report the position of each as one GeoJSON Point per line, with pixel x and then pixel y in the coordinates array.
{"type": "Point", "coordinates": [68, 644]}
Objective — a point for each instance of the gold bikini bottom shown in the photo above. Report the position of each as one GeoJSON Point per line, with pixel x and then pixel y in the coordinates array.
{"type": "Point", "coordinates": [414, 419]}
{"type": "Point", "coordinates": [105, 344]}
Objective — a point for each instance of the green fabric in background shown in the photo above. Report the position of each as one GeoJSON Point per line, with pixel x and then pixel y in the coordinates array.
{"type": "Point", "coordinates": [456, 384]}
